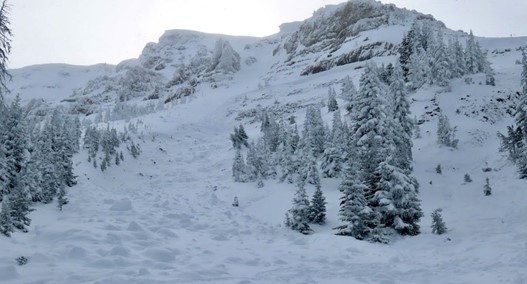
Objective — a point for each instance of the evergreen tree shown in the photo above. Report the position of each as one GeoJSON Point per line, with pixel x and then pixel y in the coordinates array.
{"type": "Point", "coordinates": [298, 215]}
{"type": "Point", "coordinates": [419, 70]}
{"type": "Point", "coordinates": [314, 134]}
{"type": "Point", "coordinates": [134, 150]}
{"type": "Point", "coordinates": [399, 207]}
{"type": "Point", "coordinates": [403, 124]}
{"type": "Point", "coordinates": [239, 137]}
{"type": "Point", "coordinates": [371, 136]}
{"type": "Point", "coordinates": [331, 162]}
{"type": "Point", "coordinates": [317, 208]}
{"type": "Point", "coordinates": [438, 225]}
{"type": "Point", "coordinates": [521, 110]}
{"type": "Point", "coordinates": [61, 198]}
{"type": "Point", "coordinates": [5, 45]}
{"type": "Point", "coordinates": [19, 203]}
{"type": "Point", "coordinates": [441, 68]}
{"type": "Point", "coordinates": [474, 56]}
{"type": "Point", "coordinates": [309, 169]}
{"type": "Point", "coordinates": [354, 213]}
{"type": "Point", "coordinates": [289, 162]}
{"type": "Point", "coordinates": [445, 133]}
{"type": "Point", "coordinates": [238, 167]}
{"type": "Point", "coordinates": [467, 178]}
{"type": "Point", "coordinates": [6, 223]}
{"type": "Point", "coordinates": [14, 138]}
{"type": "Point", "coordinates": [490, 80]}
{"type": "Point", "coordinates": [407, 49]}
{"type": "Point", "coordinates": [348, 93]}
{"type": "Point", "coordinates": [332, 100]}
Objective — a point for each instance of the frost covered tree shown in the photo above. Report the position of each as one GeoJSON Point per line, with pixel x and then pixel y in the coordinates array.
{"type": "Point", "coordinates": [331, 164]}
{"type": "Point", "coordinates": [239, 167]}
{"type": "Point", "coordinates": [314, 132]}
{"type": "Point", "coordinates": [348, 93]}
{"type": "Point", "coordinates": [408, 49]}
{"type": "Point", "coordinates": [354, 213]}
{"type": "Point", "coordinates": [445, 133]}
{"type": "Point", "coordinates": [521, 110]}
{"type": "Point", "coordinates": [370, 133]}
{"type": "Point", "coordinates": [297, 217]}
{"type": "Point", "coordinates": [317, 208]}
{"type": "Point", "coordinates": [289, 161]}
{"type": "Point", "coordinates": [235, 202]}
{"type": "Point", "coordinates": [309, 169]}
{"type": "Point", "coordinates": [19, 203]}
{"type": "Point", "coordinates": [419, 71]}
{"type": "Point", "coordinates": [239, 137]}
{"type": "Point", "coordinates": [134, 150]}
{"type": "Point", "coordinates": [61, 198]}
{"type": "Point", "coordinates": [5, 45]}
{"type": "Point", "coordinates": [332, 100]}
{"type": "Point", "coordinates": [441, 65]}
{"type": "Point", "coordinates": [6, 223]}
{"type": "Point", "coordinates": [438, 225]}
{"type": "Point", "coordinates": [259, 166]}
{"type": "Point", "coordinates": [273, 134]}
{"type": "Point", "coordinates": [397, 200]}
{"type": "Point", "coordinates": [457, 53]}
{"type": "Point", "coordinates": [474, 56]}
{"type": "Point", "coordinates": [403, 124]}
{"type": "Point", "coordinates": [14, 140]}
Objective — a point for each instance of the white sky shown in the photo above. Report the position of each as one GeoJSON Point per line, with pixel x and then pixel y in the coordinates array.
{"type": "Point", "coordinates": [108, 31]}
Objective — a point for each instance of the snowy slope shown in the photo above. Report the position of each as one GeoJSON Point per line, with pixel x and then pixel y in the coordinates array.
{"type": "Point", "coordinates": [53, 82]}
{"type": "Point", "coordinates": [166, 217]}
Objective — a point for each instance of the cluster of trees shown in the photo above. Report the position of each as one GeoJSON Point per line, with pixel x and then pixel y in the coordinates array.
{"type": "Point", "coordinates": [304, 212]}
{"type": "Point", "coordinates": [514, 143]}
{"type": "Point", "coordinates": [35, 163]}
{"type": "Point", "coordinates": [371, 151]}
{"type": "Point", "coordinates": [426, 58]}
{"type": "Point", "coordinates": [108, 142]}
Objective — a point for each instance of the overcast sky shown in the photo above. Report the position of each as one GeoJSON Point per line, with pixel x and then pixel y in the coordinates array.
{"type": "Point", "coordinates": [108, 31]}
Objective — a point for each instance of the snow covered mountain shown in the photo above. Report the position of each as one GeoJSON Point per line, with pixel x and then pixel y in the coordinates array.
{"type": "Point", "coordinates": [166, 217]}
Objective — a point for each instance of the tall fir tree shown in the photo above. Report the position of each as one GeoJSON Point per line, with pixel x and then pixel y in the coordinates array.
{"type": "Point", "coordinates": [354, 213]}
{"type": "Point", "coordinates": [317, 207]}
{"type": "Point", "coordinates": [6, 223]}
{"type": "Point", "coordinates": [371, 134]}
{"type": "Point", "coordinates": [332, 100]}
{"type": "Point", "coordinates": [239, 167]}
{"type": "Point", "coordinates": [438, 225]}
{"type": "Point", "coordinates": [348, 93]}
{"type": "Point", "coordinates": [521, 110]}
{"type": "Point", "coordinates": [20, 207]}
{"type": "Point", "coordinates": [397, 200]}
{"type": "Point", "coordinates": [314, 132]}
{"type": "Point", "coordinates": [298, 216]}
{"type": "Point", "coordinates": [404, 125]}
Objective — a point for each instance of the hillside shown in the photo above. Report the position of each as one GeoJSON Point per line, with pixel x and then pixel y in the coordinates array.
{"type": "Point", "coordinates": [166, 217]}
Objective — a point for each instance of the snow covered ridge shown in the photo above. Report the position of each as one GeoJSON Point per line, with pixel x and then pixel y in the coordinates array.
{"type": "Point", "coordinates": [184, 62]}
